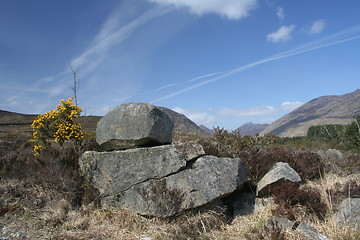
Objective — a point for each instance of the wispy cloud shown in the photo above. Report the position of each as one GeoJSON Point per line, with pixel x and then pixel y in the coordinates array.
{"type": "Point", "coordinates": [164, 87]}
{"type": "Point", "coordinates": [317, 27]}
{"type": "Point", "coordinates": [11, 101]}
{"type": "Point", "coordinates": [231, 9]}
{"type": "Point", "coordinates": [280, 13]}
{"type": "Point", "coordinates": [338, 38]}
{"type": "Point", "coordinates": [283, 34]}
{"type": "Point", "coordinates": [248, 112]}
{"type": "Point", "coordinates": [112, 33]}
{"type": "Point", "coordinates": [204, 76]}
{"type": "Point", "coordinates": [211, 117]}
{"type": "Point", "coordinates": [286, 106]}
{"type": "Point", "coordinates": [289, 106]}
{"type": "Point", "coordinates": [199, 117]}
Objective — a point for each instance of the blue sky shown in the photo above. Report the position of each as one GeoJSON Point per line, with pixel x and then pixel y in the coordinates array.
{"type": "Point", "coordinates": [220, 62]}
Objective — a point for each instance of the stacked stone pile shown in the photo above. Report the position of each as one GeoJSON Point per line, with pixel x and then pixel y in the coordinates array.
{"type": "Point", "coordinates": [142, 171]}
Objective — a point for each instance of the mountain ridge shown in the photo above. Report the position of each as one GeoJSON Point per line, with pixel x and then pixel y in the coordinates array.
{"type": "Point", "coordinates": [251, 129]}
{"type": "Point", "coordinates": [331, 109]}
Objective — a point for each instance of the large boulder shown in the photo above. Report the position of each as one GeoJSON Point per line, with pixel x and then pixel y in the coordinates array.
{"type": "Point", "coordinates": [279, 172]}
{"type": "Point", "coordinates": [117, 171]}
{"type": "Point", "coordinates": [132, 125]}
{"type": "Point", "coordinates": [209, 178]}
{"type": "Point", "coordinates": [348, 212]}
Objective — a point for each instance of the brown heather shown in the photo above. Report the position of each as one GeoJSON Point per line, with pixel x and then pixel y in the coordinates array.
{"type": "Point", "coordinates": [46, 198]}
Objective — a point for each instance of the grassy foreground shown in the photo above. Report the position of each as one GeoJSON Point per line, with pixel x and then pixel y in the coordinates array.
{"type": "Point", "coordinates": [45, 198]}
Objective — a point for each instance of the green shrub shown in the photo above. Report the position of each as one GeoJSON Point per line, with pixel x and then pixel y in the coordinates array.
{"type": "Point", "coordinates": [345, 137]}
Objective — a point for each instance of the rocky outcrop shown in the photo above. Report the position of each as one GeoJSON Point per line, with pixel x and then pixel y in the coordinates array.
{"type": "Point", "coordinates": [279, 172]}
{"type": "Point", "coordinates": [132, 125]}
{"type": "Point", "coordinates": [155, 180]}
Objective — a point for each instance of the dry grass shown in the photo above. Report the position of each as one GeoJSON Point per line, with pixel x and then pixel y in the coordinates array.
{"type": "Point", "coordinates": [46, 200]}
{"type": "Point", "coordinates": [59, 220]}
{"type": "Point", "coordinates": [328, 184]}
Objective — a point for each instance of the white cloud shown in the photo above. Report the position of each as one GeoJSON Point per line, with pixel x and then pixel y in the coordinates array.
{"type": "Point", "coordinates": [11, 101]}
{"type": "Point", "coordinates": [232, 9]}
{"type": "Point", "coordinates": [248, 112]}
{"type": "Point", "coordinates": [259, 111]}
{"type": "Point", "coordinates": [282, 34]}
{"type": "Point", "coordinates": [200, 118]}
{"type": "Point", "coordinates": [280, 13]}
{"type": "Point", "coordinates": [289, 106]}
{"type": "Point", "coordinates": [317, 27]}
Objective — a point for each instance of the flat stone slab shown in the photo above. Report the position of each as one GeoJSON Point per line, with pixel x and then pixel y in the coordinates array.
{"type": "Point", "coordinates": [117, 171]}
{"type": "Point", "coordinates": [208, 179]}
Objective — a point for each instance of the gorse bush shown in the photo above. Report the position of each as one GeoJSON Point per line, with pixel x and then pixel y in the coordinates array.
{"type": "Point", "coordinates": [59, 124]}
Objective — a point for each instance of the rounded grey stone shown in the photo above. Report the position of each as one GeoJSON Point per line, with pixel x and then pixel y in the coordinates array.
{"type": "Point", "coordinates": [133, 125]}
{"type": "Point", "coordinates": [280, 171]}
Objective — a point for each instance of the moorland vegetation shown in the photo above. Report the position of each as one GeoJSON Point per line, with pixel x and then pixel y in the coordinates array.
{"type": "Point", "coordinates": [45, 197]}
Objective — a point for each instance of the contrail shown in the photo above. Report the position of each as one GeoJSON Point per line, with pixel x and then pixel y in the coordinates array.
{"type": "Point", "coordinates": [168, 86]}
{"type": "Point", "coordinates": [110, 35]}
{"type": "Point", "coordinates": [204, 76]}
{"type": "Point", "coordinates": [341, 37]}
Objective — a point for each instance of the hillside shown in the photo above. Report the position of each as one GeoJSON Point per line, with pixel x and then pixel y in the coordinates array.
{"type": "Point", "coordinates": [206, 129]}
{"type": "Point", "coordinates": [15, 118]}
{"type": "Point", "coordinates": [251, 129]}
{"type": "Point", "coordinates": [334, 109]}
{"type": "Point", "coordinates": [184, 124]}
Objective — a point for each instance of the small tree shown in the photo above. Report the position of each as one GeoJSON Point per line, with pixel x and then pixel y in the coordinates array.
{"type": "Point", "coordinates": [76, 84]}
{"type": "Point", "coordinates": [59, 125]}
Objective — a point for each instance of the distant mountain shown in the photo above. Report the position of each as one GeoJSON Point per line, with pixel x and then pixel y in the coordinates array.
{"type": "Point", "coordinates": [335, 109]}
{"type": "Point", "coordinates": [206, 129]}
{"type": "Point", "coordinates": [251, 129]}
{"type": "Point", "coordinates": [184, 124]}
